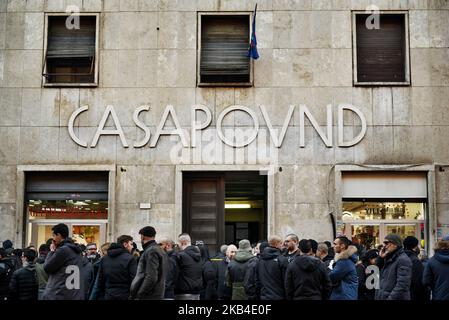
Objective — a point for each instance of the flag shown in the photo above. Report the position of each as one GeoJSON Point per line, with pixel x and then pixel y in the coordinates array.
{"type": "Point", "coordinates": [252, 51]}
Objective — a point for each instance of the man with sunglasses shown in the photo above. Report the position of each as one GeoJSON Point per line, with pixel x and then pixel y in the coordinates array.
{"type": "Point", "coordinates": [395, 270]}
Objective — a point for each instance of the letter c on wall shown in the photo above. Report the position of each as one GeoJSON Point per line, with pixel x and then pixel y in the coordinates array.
{"type": "Point", "coordinates": [72, 119]}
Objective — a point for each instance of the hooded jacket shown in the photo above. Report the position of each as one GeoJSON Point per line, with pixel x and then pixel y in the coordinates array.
{"type": "Point", "coordinates": [344, 275]}
{"type": "Point", "coordinates": [116, 273]}
{"type": "Point", "coordinates": [65, 264]}
{"type": "Point", "coordinates": [24, 285]}
{"type": "Point", "coordinates": [149, 282]}
{"type": "Point", "coordinates": [436, 275]}
{"type": "Point", "coordinates": [237, 270]}
{"type": "Point", "coordinates": [190, 271]}
{"type": "Point", "coordinates": [271, 274]}
{"type": "Point", "coordinates": [395, 277]}
{"type": "Point", "coordinates": [307, 279]}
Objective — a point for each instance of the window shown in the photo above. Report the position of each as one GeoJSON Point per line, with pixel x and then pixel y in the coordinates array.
{"type": "Point", "coordinates": [381, 55]}
{"type": "Point", "coordinates": [71, 54]}
{"type": "Point", "coordinates": [375, 204]}
{"type": "Point", "coordinates": [223, 50]}
{"type": "Point", "coordinates": [78, 199]}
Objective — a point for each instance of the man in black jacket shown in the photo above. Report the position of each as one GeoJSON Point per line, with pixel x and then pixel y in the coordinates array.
{"type": "Point", "coordinates": [306, 277]}
{"type": "Point", "coordinates": [417, 289]}
{"type": "Point", "coordinates": [190, 277]}
{"type": "Point", "coordinates": [270, 271]}
{"type": "Point", "coordinates": [149, 283]}
{"type": "Point", "coordinates": [117, 270]}
{"type": "Point", "coordinates": [172, 272]}
{"type": "Point", "coordinates": [23, 285]}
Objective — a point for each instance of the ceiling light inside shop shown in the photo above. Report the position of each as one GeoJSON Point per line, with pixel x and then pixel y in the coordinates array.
{"type": "Point", "coordinates": [237, 206]}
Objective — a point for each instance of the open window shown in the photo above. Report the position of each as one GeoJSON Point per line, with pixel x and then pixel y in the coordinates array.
{"type": "Point", "coordinates": [381, 55]}
{"type": "Point", "coordinates": [223, 50]}
{"type": "Point", "coordinates": [71, 52]}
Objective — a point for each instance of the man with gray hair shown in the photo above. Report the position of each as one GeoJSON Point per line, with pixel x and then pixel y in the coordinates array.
{"type": "Point", "coordinates": [322, 253]}
{"type": "Point", "coordinates": [291, 241]}
{"type": "Point", "coordinates": [237, 270]}
{"type": "Point", "coordinates": [168, 246]}
{"type": "Point", "coordinates": [190, 277]}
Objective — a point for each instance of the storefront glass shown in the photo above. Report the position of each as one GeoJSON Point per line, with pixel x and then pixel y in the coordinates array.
{"type": "Point", "coordinates": [368, 222]}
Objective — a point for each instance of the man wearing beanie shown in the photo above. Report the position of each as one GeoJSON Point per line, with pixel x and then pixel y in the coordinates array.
{"type": "Point", "coordinates": [417, 290]}
{"type": "Point", "coordinates": [396, 270]}
{"type": "Point", "coordinates": [237, 270]}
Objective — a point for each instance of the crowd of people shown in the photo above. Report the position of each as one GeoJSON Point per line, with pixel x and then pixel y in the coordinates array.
{"type": "Point", "coordinates": [275, 269]}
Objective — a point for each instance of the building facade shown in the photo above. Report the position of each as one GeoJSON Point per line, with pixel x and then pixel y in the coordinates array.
{"type": "Point", "coordinates": [149, 112]}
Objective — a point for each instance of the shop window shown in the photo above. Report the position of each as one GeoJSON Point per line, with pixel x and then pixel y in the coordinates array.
{"type": "Point", "coordinates": [381, 52]}
{"type": "Point", "coordinates": [223, 50]}
{"type": "Point", "coordinates": [78, 199]}
{"type": "Point", "coordinates": [71, 53]}
{"type": "Point", "coordinates": [375, 204]}
{"type": "Point", "coordinates": [368, 222]}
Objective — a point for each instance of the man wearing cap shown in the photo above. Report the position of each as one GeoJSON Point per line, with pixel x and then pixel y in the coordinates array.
{"type": "Point", "coordinates": [237, 270]}
{"type": "Point", "coordinates": [417, 290]}
{"type": "Point", "coordinates": [149, 283]}
{"type": "Point", "coordinates": [436, 272]}
{"type": "Point", "coordinates": [396, 270]}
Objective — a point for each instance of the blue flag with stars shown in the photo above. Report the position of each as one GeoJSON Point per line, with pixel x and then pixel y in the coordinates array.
{"type": "Point", "coordinates": [252, 52]}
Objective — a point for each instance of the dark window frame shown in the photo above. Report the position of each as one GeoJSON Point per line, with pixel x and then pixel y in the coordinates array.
{"type": "Point", "coordinates": [407, 81]}
{"type": "Point", "coordinates": [94, 62]}
{"type": "Point", "coordinates": [200, 83]}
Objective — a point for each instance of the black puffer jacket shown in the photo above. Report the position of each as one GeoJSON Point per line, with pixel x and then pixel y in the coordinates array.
{"type": "Point", "coordinates": [307, 279]}
{"type": "Point", "coordinates": [24, 285]}
{"type": "Point", "coordinates": [7, 268]}
{"type": "Point", "coordinates": [117, 271]}
{"type": "Point", "coordinates": [271, 274]}
{"type": "Point", "coordinates": [190, 276]}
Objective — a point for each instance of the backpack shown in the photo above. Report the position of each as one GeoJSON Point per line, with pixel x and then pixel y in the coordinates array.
{"type": "Point", "coordinates": [6, 270]}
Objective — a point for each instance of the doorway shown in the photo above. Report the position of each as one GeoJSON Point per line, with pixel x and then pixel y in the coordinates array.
{"type": "Point", "coordinates": [224, 207]}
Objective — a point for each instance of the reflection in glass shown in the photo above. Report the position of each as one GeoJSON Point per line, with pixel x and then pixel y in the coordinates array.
{"type": "Point", "coordinates": [358, 210]}
{"type": "Point", "coordinates": [67, 209]}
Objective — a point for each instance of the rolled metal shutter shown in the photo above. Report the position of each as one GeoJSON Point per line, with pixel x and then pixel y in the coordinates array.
{"type": "Point", "coordinates": [67, 185]}
{"type": "Point", "coordinates": [71, 43]}
{"type": "Point", "coordinates": [224, 49]}
{"type": "Point", "coordinates": [381, 52]}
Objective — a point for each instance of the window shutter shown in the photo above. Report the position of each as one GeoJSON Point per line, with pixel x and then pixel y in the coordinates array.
{"type": "Point", "coordinates": [67, 185]}
{"type": "Point", "coordinates": [71, 43]}
{"type": "Point", "coordinates": [381, 52]}
{"type": "Point", "coordinates": [224, 49]}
